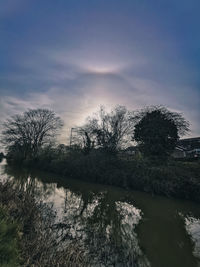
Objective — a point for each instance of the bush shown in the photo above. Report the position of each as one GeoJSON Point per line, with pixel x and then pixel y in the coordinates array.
{"type": "Point", "coordinates": [9, 254]}
{"type": "Point", "coordinates": [26, 236]}
{"type": "Point", "coordinates": [172, 178]}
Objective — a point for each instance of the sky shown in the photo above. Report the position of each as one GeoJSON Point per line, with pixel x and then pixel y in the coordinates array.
{"type": "Point", "coordinates": [74, 55]}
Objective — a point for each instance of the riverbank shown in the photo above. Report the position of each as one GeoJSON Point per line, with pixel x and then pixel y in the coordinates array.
{"type": "Point", "coordinates": [26, 237]}
{"type": "Point", "coordinates": [91, 209]}
{"type": "Point", "coordinates": [9, 235]}
{"type": "Point", "coordinates": [179, 179]}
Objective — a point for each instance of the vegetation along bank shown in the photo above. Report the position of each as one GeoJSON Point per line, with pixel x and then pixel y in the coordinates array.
{"type": "Point", "coordinates": [97, 150]}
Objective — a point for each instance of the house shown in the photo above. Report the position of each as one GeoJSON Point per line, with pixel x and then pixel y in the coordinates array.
{"type": "Point", "coordinates": [131, 150]}
{"type": "Point", "coordinates": [194, 153]}
{"type": "Point", "coordinates": [190, 143]}
{"type": "Point", "coordinates": [187, 148]}
{"type": "Point", "coordinates": [179, 152]}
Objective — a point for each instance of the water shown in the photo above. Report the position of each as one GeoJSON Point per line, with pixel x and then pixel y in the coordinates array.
{"type": "Point", "coordinates": [118, 227]}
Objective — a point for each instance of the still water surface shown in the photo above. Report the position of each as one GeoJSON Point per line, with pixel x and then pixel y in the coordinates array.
{"type": "Point", "coordinates": [119, 227]}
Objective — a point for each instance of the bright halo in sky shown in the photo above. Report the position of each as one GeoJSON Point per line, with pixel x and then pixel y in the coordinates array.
{"type": "Point", "coordinates": [103, 68]}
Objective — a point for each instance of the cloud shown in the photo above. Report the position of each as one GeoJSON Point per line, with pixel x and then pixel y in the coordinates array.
{"type": "Point", "coordinates": [75, 91]}
{"type": "Point", "coordinates": [72, 62]}
{"type": "Point", "coordinates": [82, 96]}
{"type": "Point", "coordinates": [11, 7]}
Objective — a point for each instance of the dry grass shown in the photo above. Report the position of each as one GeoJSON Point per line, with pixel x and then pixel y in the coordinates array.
{"type": "Point", "coordinates": [37, 240]}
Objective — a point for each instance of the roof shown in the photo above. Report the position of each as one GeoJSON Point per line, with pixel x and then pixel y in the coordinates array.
{"type": "Point", "coordinates": [180, 148]}
{"type": "Point", "coordinates": [190, 139]}
{"type": "Point", "coordinates": [131, 148]}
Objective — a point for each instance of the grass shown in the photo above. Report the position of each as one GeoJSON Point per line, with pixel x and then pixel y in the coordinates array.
{"type": "Point", "coordinates": [9, 253]}
{"type": "Point", "coordinates": [172, 178]}
{"type": "Point", "coordinates": [26, 235]}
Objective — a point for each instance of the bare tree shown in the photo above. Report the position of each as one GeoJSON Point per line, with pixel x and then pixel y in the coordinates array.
{"type": "Point", "coordinates": [108, 130]}
{"type": "Point", "coordinates": [31, 130]}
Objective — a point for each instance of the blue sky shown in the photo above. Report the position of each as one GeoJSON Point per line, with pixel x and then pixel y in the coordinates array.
{"type": "Point", "coordinates": [72, 56]}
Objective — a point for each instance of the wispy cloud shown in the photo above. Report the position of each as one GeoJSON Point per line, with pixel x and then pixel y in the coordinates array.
{"type": "Point", "coordinates": [72, 60]}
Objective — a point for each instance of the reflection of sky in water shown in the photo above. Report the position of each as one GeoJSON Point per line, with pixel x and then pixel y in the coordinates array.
{"type": "Point", "coordinates": [193, 228]}
{"type": "Point", "coordinates": [100, 225]}
{"type": "Point", "coordinates": [131, 216]}
{"type": "Point", "coordinates": [3, 176]}
{"type": "Point", "coordinates": [105, 224]}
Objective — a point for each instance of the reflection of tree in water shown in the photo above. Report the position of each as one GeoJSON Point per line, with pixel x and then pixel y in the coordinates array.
{"type": "Point", "coordinates": [112, 235]}
{"type": "Point", "coordinates": [104, 231]}
{"type": "Point", "coordinates": [104, 226]}
{"type": "Point", "coordinates": [27, 180]}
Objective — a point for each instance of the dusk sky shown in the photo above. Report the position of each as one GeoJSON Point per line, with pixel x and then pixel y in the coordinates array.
{"type": "Point", "coordinates": [73, 56]}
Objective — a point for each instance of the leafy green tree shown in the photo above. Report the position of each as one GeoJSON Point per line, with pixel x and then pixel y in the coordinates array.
{"type": "Point", "coordinates": [157, 130]}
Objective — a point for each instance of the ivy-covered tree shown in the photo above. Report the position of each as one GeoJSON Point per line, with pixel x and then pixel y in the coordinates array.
{"type": "Point", "coordinates": [157, 130]}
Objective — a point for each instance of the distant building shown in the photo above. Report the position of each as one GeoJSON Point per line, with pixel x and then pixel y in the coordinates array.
{"type": "Point", "coordinates": [179, 152]}
{"type": "Point", "coordinates": [190, 143]}
{"type": "Point", "coordinates": [131, 150]}
{"type": "Point", "coordinates": [194, 153]}
{"type": "Point", "coordinates": [187, 148]}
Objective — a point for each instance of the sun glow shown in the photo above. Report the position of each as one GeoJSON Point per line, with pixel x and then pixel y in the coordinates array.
{"type": "Point", "coordinates": [102, 68]}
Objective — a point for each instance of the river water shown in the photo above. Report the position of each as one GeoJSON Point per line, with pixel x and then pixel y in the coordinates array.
{"type": "Point", "coordinates": [118, 227]}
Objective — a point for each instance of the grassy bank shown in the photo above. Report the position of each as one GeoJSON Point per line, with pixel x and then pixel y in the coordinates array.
{"type": "Point", "coordinates": [9, 235]}
{"type": "Point", "coordinates": [26, 235]}
{"type": "Point", "coordinates": [171, 178]}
